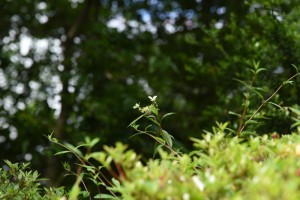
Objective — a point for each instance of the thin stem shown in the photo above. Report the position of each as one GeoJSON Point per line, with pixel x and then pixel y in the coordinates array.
{"type": "Point", "coordinates": [88, 163]}
{"type": "Point", "coordinates": [79, 179]}
{"type": "Point", "coordinates": [245, 110]}
{"type": "Point", "coordinates": [162, 144]}
{"type": "Point", "coordinates": [266, 101]}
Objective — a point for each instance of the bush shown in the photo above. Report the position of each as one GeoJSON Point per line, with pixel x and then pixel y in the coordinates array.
{"type": "Point", "coordinates": [220, 167]}
{"type": "Point", "coordinates": [224, 164]}
{"type": "Point", "coordinates": [19, 183]}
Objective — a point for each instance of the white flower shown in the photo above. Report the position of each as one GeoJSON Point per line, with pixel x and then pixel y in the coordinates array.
{"type": "Point", "coordinates": [136, 106]}
{"type": "Point", "coordinates": [152, 98]}
{"type": "Point", "coordinates": [182, 178]}
{"type": "Point", "coordinates": [198, 183]}
{"type": "Point", "coordinates": [146, 110]}
{"type": "Point", "coordinates": [186, 196]}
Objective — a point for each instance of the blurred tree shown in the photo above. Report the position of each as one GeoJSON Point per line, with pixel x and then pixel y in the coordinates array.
{"type": "Point", "coordinates": [77, 67]}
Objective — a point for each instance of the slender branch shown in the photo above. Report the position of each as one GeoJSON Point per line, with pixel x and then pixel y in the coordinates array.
{"type": "Point", "coordinates": [266, 101]}
{"type": "Point", "coordinates": [79, 179]}
{"type": "Point", "coordinates": [245, 109]}
{"type": "Point", "coordinates": [86, 162]}
{"type": "Point", "coordinates": [161, 143]}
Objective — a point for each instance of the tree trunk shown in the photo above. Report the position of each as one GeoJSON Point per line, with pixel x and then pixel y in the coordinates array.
{"type": "Point", "coordinates": [52, 170]}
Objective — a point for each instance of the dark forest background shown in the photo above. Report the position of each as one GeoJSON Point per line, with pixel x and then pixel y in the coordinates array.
{"type": "Point", "coordinates": [77, 67]}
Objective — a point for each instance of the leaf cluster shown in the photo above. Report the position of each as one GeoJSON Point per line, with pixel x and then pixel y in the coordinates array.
{"type": "Point", "coordinates": [219, 167]}
{"type": "Point", "coordinates": [20, 183]}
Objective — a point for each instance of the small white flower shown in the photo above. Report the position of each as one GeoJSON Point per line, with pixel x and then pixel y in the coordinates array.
{"type": "Point", "coordinates": [211, 179]}
{"type": "Point", "coordinates": [145, 110]}
{"type": "Point", "coordinates": [186, 196]}
{"type": "Point", "coordinates": [138, 164]}
{"type": "Point", "coordinates": [198, 183]}
{"type": "Point", "coordinates": [152, 98]}
{"type": "Point", "coordinates": [136, 106]}
{"type": "Point", "coordinates": [182, 178]}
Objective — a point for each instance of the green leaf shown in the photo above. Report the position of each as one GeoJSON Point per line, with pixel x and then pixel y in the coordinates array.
{"type": "Point", "coordinates": [256, 64]}
{"type": "Point", "coordinates": [116, 182]}
{"type": "Point", "coordinates": [233, 113]}
{"type": "Point", "coordinates": [167, 138]}
{"type": "Point", "coordinates": [158, 148]}
{"type": "Point", "coordinates": [294, 110]}
{"type": "Point", "coordinates": [51, 138]}
{"type": "Point", "coordinates": [242, 82]}
{"type": "Point", "coordinates": [295, 67]}
{"type": "Point", "coordinates": [158, 139]}
{"type": "Point", "coordinates": [251, 122]}
{"type": "Point", "coordinates": [9, 163]}
{"type": "Point", "coordinates": [135, 126]}
{"type": "Point", "coordinates": [260, 70]}
{"type": "Point", "coordinates": [149, 126]}
{"type": "Point", "coordinates": [166, 115]}
{"type": "Point", "coordinates": [67, 166]}
{"type": "Point", "coordinates": [74, 192]}
{"type": "Point", "coordinates": [154, 110]}
{"type": "Point", "coordinates": [254, 72]}
{"type": "Point", "coordinates": [95, 155]}
{"type": "Point", "coordinates": [276, 105]}
{"type": "Point", "coordinates": [153, 119]}
{"type": "Point", "coordinates": [297, 123]}
{"type": "Point", "coordinates": [62, 152]}
{"type": "Point", "coordinates": [85, 194]}
{"type": "Point", "coordinates": [105, 196]}
{"type": "Point", "coordinates": [89, 143]}
{"type": "Point", "coordinates": [73, 149]}
{"type": "Point", "coordinates": [89, 168]}
{"type": "Point", "coordinates": [254, 90]}
{"type": "Point", "coordinates": [137, 119]}
{"type": "Point", "coordinates": [288, 82]}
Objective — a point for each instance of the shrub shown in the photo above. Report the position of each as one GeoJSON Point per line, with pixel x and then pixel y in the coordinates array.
{"type": "Point", "coordinates": [221, 166]}
{"type": "Point", "coordinates": [19, 183]}
{"type": "Point", "coordinates": [225, 163]}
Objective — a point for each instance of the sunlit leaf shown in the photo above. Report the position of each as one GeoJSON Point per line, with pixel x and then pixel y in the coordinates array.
{"type": "Point", "coordinates": [295, 67]}
{"type": "Point", "coordinates": [106, 196]}
{"type": "Point", "coordinates": [73, 149]}
{"type": "Point", "coordinates": [166, 115]}
{"type": "Point", "coordinates": [62, 152]}
{"type": "Point", "coordinates": [167, 137]}
{"type": "Point", "coordinates": [137, 119]}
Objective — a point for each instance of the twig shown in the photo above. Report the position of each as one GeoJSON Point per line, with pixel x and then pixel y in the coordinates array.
{"type": "Point", "coordinates": [245, 110]}
{"type": "Point", "coordinates": [266, 101]}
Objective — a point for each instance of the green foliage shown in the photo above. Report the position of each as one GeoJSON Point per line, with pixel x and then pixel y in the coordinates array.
{"type": "Point", "coordinates": [252, 92]}
{"type": "Point", "coordinates": [260, 168]}
{"type": "Point", "coordinates": [80, 77]}
{"type": "Point", "coordinates": [154, 129]}
{"type": "Point", "coordinates": [222, 165]}
{"type": "Point", "coordinates": [20, 183]}
{"type": "Point", "coordinates": [219, 167]}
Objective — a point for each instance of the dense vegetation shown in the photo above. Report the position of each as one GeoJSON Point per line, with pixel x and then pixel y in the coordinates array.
{"type": "Point", "coordinates": [71, 71]}
{"type": "Point", "coordinates": [221, 166]}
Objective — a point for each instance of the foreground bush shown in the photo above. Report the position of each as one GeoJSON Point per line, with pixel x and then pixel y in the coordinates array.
{"type": "Point", "coordinates": [218, 168]}
{"type": "Point", "coordinates": [225, 164]}
{"type": "Point", "coordinates": [17, 182]}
